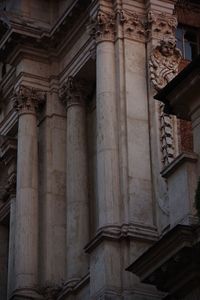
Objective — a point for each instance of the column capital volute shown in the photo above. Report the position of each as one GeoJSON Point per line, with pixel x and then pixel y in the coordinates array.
{"type": "Point", "coordinates": [27, 99]}
{"type": "Point", "coordinates": [74, 92]}
{"type": "Point", "coordinates": [102, 26]}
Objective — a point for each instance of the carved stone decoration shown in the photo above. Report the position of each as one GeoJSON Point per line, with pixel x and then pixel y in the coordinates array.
{"type": "Point", "coordinates": [74, 92]}
{"type": "Point", "coordinates": [164, 62]}
{"type": "Point", "coordinates": [133, 25]}
{"type": "Point", "coordinates": [163, 65]}
{"type": "Point", "coordinates": [161, 24]}
{"type": "Point", "coordinates": [28, 99]}
{"type": "Point", "coordinates": [102, 27]}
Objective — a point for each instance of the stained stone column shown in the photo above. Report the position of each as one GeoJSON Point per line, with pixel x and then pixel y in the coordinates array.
{"type": "Point", "coordinates": [106, 111]}
{"type": "Point", "coordinates": [26, 102]}
{"type": "Point", "coordinates": [73, 96]}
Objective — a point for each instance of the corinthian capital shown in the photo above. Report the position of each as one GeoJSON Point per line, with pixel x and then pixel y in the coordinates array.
{"type": "Point", "coordinates": [28, 99]}
{"type": "Point", "coordinates": [102, 27]}
{"type": "Point", "coordinates": [74, 92]}
{"type": "Point", "coordinates": [133, 25]}
{"type": "Point", "coordinates": [160, 24]}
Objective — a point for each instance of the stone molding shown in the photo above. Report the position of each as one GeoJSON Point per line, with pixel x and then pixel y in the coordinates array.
{"type": "Point", "coordinates": [27, 293]}
{"type": "Point", "coordinates": [28, 99]}
{"type": "Point", "coordinates": [117, 233]}
{"type": "Point", "coordinates": [160, 24]}
{"type": "Point", "coordinates": [74, 92]}
{"type": "Point", "coordinates": [103, 26]}
{"type": "Point", "coordinates": [72, 286]}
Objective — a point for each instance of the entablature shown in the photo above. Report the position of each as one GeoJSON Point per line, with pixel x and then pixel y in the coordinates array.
{"type": "Point", "coordinates": [22, 31]}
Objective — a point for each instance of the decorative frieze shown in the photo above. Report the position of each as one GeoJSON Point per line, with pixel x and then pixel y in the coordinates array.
{"type": "Point", "coordinates": [74, 92]}
{"type": "Point", "coordinates": [160, 24]}
{"type": "Point", "coordinates": [133, 25]}
{"type": "Point", "coordinates": [28, 99]}
{"type": "Point", "coordinates": [102, 27]}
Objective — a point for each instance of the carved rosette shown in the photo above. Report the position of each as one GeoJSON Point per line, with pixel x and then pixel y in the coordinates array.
{"type": "Point", "coordinates": [163, 65]}
{"type": "Point", "coordinates": [160, 24]}
{"type": "Point", "coordinates": [28, 99]}
{"type": "Point", "coordinates": [74, 92]}
{"type": "Point", "coordinates": [102, 27]}
{"type": "Point", "coordinates": [133, 25]}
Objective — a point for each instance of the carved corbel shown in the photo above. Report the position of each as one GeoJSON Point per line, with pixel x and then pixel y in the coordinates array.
{"type": "Point", "coordinates": [164, 62]}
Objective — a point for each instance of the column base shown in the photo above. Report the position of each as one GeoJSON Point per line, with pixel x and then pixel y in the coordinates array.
{"type": "Point", "coordinates": [26, 293]}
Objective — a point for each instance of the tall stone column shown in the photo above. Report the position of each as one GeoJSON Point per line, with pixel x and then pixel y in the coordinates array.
{"type": "Point", "coordinates": [74, 95]}
{"type": "Point", "coordinates": [108, 187]}
{"type": "Point", "coordinates": [26, 102]}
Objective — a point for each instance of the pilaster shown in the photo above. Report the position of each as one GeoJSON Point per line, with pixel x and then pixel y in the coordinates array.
{"type": "Point", "coordinates": [162, 58]}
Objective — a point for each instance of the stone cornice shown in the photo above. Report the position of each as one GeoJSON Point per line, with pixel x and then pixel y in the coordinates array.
{"type": "Point", "coordinates": [23, 31]}
{"type": "Point", "coordinates": [9, 124]}
{"type": "Point", "coordinates": [8, 149]}
{"type": "Point", "coordinates": [4, 208]}
{"type": "Point", "coordinates": [125, 231]}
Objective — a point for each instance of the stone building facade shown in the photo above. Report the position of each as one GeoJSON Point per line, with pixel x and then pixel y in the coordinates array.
{"type": "Point", "coordinates": [83, 143]}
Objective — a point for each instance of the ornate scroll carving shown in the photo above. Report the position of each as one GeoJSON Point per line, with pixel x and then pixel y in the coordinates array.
{"type": "Point", "coordinates": [102, 27]}
{"type": "Point", "coordinates": [74, 92]}
{"type": "Point", "coordinates": [28, 99]}
{"type": "Point", "coordinates": [133, 25]}
{"type": "Point", "coordinates": [161, 24]}
{"type": "Point", "coordinates": [164, 62]}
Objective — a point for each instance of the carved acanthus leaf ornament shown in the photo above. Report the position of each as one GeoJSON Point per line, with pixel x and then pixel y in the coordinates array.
{"type": "Point", "coordinates": [160, 24]}
{"type": "Point", "coordinates": [74, 92]}
{"type": "Point", "coordinates": [133, 24]}
{"type": "Point", "coordinates": [28, 99]}
{"type": "Point", "coordinates": [102, 27]}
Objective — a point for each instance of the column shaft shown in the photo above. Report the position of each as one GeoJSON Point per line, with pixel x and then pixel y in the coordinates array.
{"type": "Point", "coordinates": [107, 141]}
{"type": "Point", "coordinates": [74, 96]}
{"type": "Point", "coordinates": [27, 203]}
